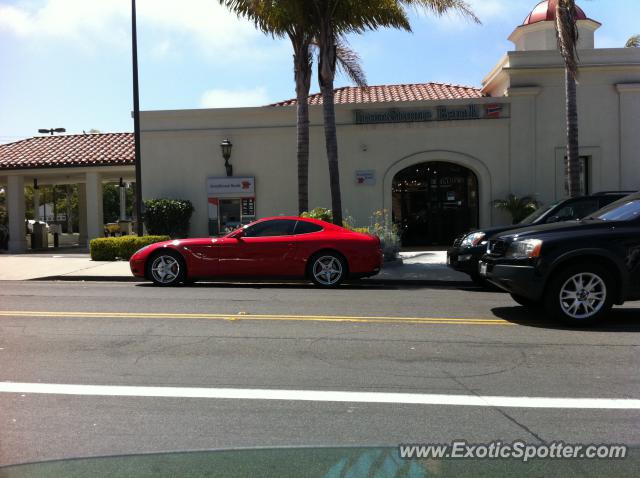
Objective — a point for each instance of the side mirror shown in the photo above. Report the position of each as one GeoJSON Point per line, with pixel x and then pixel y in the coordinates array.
{"type": "Point", "coordinates": [553, 219]}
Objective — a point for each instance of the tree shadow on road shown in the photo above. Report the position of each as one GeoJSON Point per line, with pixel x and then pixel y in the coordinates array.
{"type": "Point", "coordinates": [619, 320]}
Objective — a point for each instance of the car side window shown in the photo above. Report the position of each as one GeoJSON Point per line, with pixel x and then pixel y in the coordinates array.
{"type": "Point", "coordinates": [576, 210]}
{"type": "Point", "coordinates": [303, 227]}
{"type": "Point", "coordinates": [276, 227]}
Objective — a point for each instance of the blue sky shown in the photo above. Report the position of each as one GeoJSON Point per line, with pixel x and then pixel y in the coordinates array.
{"type": "Point", "coordinates": [66, 63]}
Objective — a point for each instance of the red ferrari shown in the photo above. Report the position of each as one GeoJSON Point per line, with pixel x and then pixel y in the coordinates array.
{"type": "Point", "coordinates": [283, 247]}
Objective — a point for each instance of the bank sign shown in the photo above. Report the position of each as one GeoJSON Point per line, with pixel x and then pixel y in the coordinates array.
{"type": "Point", "coordinates": [231, 187]}
{"type": "Point", "coordinates": [439, 113]}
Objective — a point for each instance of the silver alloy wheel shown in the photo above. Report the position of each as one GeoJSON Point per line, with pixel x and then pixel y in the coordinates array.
{"type": "Point", "coordinates": [327, 270]}
{"type": "Point", "coordinates": [165, 269]}
{"type": "Point", "coordinates": [583, 295]}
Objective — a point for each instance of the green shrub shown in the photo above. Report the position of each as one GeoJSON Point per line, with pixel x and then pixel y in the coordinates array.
{"type": "Point", "coordinates": [383, 227]}
{"type": "Point", "coordinates": [319, 213]}
{"type": "Point", "coordinates": [168, 216]}
{"type": "Point", "coordinates": [103, 249]}
{"type": "Point", "coordinates": [112, 248]}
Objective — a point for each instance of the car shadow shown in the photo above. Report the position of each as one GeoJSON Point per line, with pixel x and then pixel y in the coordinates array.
{"type": "Point", "coordinates": [618, 320]}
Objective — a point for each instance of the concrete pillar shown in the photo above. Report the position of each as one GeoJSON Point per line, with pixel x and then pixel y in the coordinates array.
{"type": "Point", "coordinates": [123, 204]}
{"type": "Point", "coordinates": [82, 215]}
{"type": "Point", "coordinates": [36, 204]}
{"type": "Point", "coordinates": [16, 210]}
{"type": "Point", "coordinates": [95, 221]}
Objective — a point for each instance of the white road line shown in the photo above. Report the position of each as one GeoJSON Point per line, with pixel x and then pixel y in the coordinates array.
{"type": "Point", "coordinates": [319, 396]}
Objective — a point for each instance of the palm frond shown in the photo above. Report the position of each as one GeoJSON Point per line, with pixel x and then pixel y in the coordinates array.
{"type": "Point", "coordinates": [349, 63]}
{"type": "Point", "coordinates": [633, 42]}
{"type": "Point", "coordinates": [441, 7]}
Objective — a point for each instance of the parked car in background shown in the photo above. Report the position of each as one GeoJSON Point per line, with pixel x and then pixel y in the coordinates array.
{"type": "Point", "coordinates": [470, 247]}
{"type": "Point", "coordinates": [576, 270]}
{"type": "Point", "coordinates": [30, 222]}
{"type": "Point", "coordinates": [284, 247]}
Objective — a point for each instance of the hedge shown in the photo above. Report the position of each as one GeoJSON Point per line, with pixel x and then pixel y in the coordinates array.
{"type": "Point", "coordinates": [112, 248]}
{"type": "Point", "coordinates": [168, 216]}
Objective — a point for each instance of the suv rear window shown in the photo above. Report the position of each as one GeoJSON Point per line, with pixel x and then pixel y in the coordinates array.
{"type": "Point", "coordinates": [623, 210]}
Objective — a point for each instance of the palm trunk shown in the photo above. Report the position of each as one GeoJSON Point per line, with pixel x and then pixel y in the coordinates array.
{"type": "Point", "coordinates": [572, 166]}
{"type": "Point", "coordinates": [326, 75]}
{"type": "Point", "coordinates": [302, 72]}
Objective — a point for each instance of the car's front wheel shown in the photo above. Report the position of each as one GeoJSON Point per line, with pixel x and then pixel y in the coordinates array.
{"type": "Point", "coordinates": [166, 269]}
{"type": "Point", "coordinates": [580, 294]}
{"type": "Point", "coordinates": [327, 269]}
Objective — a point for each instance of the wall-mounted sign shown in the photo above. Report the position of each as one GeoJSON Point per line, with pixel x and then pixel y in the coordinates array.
{"type": "Point", "coordinates": [366, 177]}
{"type": "Point", "coordinates": [234, 187]}
{"type": "Point", "coordinates": [248, 207]}
{"type": "Point", "coordinates": [438, 113]}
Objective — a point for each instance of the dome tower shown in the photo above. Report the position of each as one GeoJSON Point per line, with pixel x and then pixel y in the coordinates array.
{"type": "Point", "coordinates": [537, 32]}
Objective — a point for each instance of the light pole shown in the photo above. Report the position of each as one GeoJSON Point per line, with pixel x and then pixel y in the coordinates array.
{"type": "Point", "coordinates": [51, 131]}
{"type": "Point", "coordinates": [136, 119]}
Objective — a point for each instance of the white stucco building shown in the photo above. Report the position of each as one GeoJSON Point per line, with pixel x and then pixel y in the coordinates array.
{"type": "Point", "coordinates": [395, 140]}
{"type": "Point", "coordinates": [434, 155]}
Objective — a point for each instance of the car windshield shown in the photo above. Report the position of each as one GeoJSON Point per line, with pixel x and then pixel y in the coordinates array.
{"type": "Point", "coordinates": [626, 209]}
{"type": "Point", "coordinates": [535, 215]}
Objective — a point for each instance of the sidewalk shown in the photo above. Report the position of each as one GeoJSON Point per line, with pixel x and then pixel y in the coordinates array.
{"type": "Point", "coordinates": [415, 266]}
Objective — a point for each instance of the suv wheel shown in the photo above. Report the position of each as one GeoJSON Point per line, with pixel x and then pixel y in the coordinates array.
{"type": "Point", "coordinates": [580, 294]}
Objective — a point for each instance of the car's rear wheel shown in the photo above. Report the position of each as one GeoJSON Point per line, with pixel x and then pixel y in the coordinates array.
{"type": "Point", "coordinates": [166, 268]}
{"type": "Point", "coordinates": [327, 269]}
{"type": "Point", "coordinates": [580, 294]}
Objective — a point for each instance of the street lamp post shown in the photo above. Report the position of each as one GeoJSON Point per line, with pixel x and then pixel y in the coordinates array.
{"type": "Point", "coordinates": [136, 119]}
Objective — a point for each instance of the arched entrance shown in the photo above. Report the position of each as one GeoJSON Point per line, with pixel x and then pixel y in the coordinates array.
{"type": "Point", "coordinates": [433, 202]}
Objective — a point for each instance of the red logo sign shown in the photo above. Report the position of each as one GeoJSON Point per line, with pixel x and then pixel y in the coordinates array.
{"type": "Point", "coordinates": [494, 110]}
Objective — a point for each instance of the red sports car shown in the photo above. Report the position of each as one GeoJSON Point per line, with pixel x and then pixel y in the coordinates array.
{"type": "Point", "coordinates": [285, 247]}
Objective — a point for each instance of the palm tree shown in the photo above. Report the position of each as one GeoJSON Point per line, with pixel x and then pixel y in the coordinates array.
{"type": "Point", "coordinates": [338, 16]}
{"type": "Point", "coordinates": [517, 207]}
{"type": "Point", "coordinates": [567, 34]}
{"type": "Point", "coordinates": [633, 42]}
{"type": "Point", "coordinates": [292, 19]}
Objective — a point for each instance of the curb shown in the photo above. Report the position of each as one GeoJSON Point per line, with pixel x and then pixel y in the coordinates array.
{"type": "Point", "coordinates": [390, 282]}
{"type": "Point", "coordinates": [89, 279]}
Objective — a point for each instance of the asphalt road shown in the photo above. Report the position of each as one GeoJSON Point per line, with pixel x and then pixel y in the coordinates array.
{"type": "Point", "coordinates": [293, 337]}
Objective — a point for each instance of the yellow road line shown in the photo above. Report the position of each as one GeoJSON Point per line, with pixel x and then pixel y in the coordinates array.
{"type": "Point", "coordinates": [245, 316]}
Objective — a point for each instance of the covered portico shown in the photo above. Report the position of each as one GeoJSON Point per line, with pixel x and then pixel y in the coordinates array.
{"type": "Point", "coordinates": [87, 160]}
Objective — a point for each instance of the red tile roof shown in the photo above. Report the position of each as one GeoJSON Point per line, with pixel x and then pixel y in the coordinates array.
{"type": "Point", "coordinates": [394, 93]}
{"type": "Point", "coordinates": [104, 149]}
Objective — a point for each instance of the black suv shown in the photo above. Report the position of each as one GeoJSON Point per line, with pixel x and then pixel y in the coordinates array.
{"type": "Point", "coordinates": [469, 248]}
{"type": "Point", "coordinates": [576, 270]}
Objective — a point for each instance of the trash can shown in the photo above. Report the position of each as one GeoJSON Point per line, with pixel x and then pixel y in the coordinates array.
{"type": "Point", "coordinates": [40, 236]}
